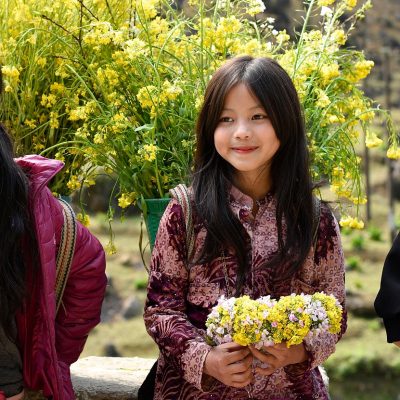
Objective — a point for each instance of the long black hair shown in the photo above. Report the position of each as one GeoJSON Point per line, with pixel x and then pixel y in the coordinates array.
{"type": "Point", "coordinates": [289, 170]}
{"type": "Point", "coordinates": [16, 232]}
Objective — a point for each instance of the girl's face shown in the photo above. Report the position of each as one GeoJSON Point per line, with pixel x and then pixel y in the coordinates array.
{"type": "Point", "coordinates": [245, 137]}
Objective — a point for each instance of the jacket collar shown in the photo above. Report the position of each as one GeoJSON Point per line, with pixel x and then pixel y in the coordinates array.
{"type": "Point", "coordinates": [39, 169]}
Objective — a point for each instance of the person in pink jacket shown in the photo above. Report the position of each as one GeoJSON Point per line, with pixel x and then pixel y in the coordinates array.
{"type": "Point", "coordinates": [38, 345]}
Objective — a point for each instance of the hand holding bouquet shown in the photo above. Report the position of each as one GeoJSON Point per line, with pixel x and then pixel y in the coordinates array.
{"type": "Point", "coordinates": [265, 321]}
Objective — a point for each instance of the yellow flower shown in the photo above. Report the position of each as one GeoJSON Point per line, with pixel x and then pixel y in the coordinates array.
{"type": "Point", "coordinates": [252, 47]}
{"type": "Point", "coordinates": [145, 96]}
{"type": "Point", "coordinates": [360, 70]}
{"type": "Point", "coordinates": [73, 183]}
{"type": "Point", "coordinates": [282, 37]}
{"type": "Point", "coordinates": [255, 7]}
{"type": "Point", "coordinates": [147, 9]}
{"type": "Point", "coordinates": [41, 61]}
{"type": "Point", "coordinates": [351, 4]}
{"type": "Point", "coordinates": [49, 100]}
{"type": "Point", "coordinates": [325, 3]}
{"type": "Point", "coordinates": [83, 218]}
{"type": "Point", "coordinates": [323, 99]}
{"type": "Point", "coordinates": [170, 92]}
{"type": "Point", "coordinates": [134, 48]}
{"type": "Point", "coordinates": [372, 140]}
{"type": "Point", "coordinates": [10, 72]}
{"type": "Point", "coordinates": [32, 39]}
{"type": "Point", "coordinates": [78, 114]}
{"type": "Point", "coordinates": [54, 120]}
{"type": "Point", "coordinates": [366, 116]}
{"type": "Point", "coordinates": [11, 76]}
{"type": "Point", "coordinates": [351, 222]}
{"type": "Point", "coordinates": [59, 156]}
{"type": "Point", "coordinates": [57, 87]}
{"type": "Point", "coordinates": [339, 36]}
{"type": "Point", "coordinates": [148, 152]}
{"type": "Point", "coordinates": [126, 199]}
{"type": "Point", "coordinates": [31, 123]}
{"type": "Point", "coordinates": [110, 248]}
{"type": "Point", "coordinates": [99, 138]}
{"type": "Point", "coordinates": [359, 200]}
{"type": "Point", "coordinates": [393, 153]}
{"type": "Point", "coordinates": [329, 72]}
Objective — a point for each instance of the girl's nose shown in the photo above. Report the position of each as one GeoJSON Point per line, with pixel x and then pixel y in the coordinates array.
{"type": "Point", "coordinates": [242, 131]}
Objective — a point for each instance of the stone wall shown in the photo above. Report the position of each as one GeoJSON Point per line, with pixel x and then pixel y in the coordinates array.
{"type": "Point", "coordinates": [98, 378]}
{"type": "Point", "coordinates": [107, 378]}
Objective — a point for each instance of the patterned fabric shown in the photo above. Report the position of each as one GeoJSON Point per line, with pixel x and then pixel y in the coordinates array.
{"type": "Point", "coordinates": [179, 300]}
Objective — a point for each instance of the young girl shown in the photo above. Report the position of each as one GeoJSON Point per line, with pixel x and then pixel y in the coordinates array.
{"type": "Point", "coordinates": [38, 344]}
{"type": "Point", "coordinates": [253, 220]}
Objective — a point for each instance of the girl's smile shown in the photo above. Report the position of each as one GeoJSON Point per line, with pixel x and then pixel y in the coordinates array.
{"type": "Point", "coordinates": [244, 150]}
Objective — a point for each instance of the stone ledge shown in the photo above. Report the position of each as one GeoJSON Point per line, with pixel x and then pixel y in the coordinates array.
{"type": "Point", "coordinates": [108, 378]}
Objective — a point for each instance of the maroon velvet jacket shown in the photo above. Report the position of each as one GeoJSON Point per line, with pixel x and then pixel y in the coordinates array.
{"type": "Point", "coordinates": [179, 301]}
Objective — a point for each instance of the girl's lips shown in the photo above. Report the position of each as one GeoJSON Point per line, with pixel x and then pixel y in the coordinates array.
{"type": "Point", "coordinates": [246, 149]}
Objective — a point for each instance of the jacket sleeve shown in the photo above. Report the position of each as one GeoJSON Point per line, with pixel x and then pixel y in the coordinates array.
{"type": "Point", "coordinates": [180, 342]}
{"type": "Point", "coordinates": [83, 296]}
{"type": "Point", "coordinates": [387, 302]}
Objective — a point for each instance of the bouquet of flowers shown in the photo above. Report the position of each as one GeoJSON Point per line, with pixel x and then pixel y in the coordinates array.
{"type": "Point", "coordinates": [266, 321]}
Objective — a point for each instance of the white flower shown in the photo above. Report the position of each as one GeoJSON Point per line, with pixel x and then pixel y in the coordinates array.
{"type": "Point", "coordinates": [326, 11]}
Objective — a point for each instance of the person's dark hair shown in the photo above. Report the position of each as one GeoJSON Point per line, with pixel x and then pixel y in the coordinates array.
{"type": "Point", "coordinates": [291, 181]}
{"type": "Point", "coordinates": [15, 228]}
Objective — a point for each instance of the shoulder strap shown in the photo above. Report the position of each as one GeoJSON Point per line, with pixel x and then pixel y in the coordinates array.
{"type": "Point", "coordinates": [181, 194]}
{"type": "Point", "coordinates": [65, 251]}
{"type": "Point", "coordinates": [317, 217]}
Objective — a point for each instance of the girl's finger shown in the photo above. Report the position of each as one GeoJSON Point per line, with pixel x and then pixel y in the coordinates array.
{"type": "Point", "coordinates": [235, 356]}
{"type": "Point", "coordinates": [241, 366]}
{"type": "Point", "coordinates": [277, 349]}
{"type": "Point", "coordinates": [267, 358]}
{"type": "Point", "coordinates": [231, 346]}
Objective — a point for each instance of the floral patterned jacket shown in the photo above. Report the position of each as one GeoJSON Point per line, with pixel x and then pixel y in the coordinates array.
{"type": "Point", "coordinates": [179, 300]}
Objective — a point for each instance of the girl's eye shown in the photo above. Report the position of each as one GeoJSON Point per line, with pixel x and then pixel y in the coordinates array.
{"type": "Point", "coordinates": [259, 116]}
{"type": "Point", "coordinates": [225, 119]}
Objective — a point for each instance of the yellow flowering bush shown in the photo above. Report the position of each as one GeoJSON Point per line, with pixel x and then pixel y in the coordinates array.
{"type": "Point", "coordinates": [265, 321]}
{"type": "Point", "coordinates": [115, 86]}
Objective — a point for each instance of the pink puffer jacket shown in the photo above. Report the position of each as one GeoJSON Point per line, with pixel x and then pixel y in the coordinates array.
{"type": "Point", "coordinates": [50, 343]}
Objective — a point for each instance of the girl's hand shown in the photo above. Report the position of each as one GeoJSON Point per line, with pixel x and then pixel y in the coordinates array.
{"type": "Point", "coordinates": [278, 356]}
{"type": "Point", "coordinates": [231, 364]}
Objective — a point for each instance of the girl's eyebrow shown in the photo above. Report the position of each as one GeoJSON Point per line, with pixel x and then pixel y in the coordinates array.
{"type": "Point", "coordinates": [251, 108]}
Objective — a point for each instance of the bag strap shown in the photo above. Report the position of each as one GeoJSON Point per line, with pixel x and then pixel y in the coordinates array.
{"type": "Point", "coordinates": [317, 217]}
{"type": "Point", "coordinates": [181, 194]}
{"type": "Point", "coordinates": [65, 251]}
